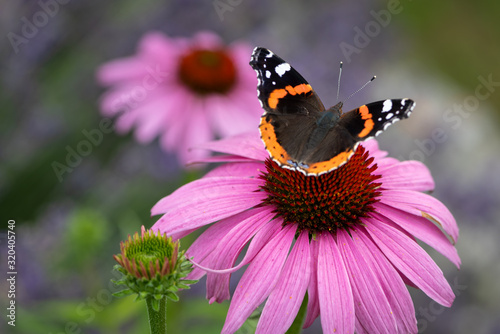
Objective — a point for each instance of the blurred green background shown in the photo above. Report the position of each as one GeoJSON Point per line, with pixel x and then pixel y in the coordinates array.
{"type": "Point", "coordinates": [437, 53]}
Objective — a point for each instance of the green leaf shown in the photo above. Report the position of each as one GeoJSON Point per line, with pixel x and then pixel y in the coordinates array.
{"type": "Point", "coordinates": [123, 293]}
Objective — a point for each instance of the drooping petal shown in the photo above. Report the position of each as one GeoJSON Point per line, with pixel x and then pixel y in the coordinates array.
{"type": "Point", "coordinates": [259, 279]}
{"type": "Point", "coordinates": [370, 303]}
{"type": "Point", "coordinates": [229, 247]}
{"type": "Point", "coordinates": [285, 300]}
{"type": "Point", "coordinates": [409, 175]}
{"type": "Point", "coordinates": [266, 233]}
{"type": "Point", "coordinates": [423, 229]}
{"type": "Point", "coordinates": [312, 290]}
{"type": "Point", "coordinates": [422, 205]}
{"type": "Point", "coordinates": [202, 248]}
{"type": "Point", "coordinates": [392, 284]}
{"type": "Point", "coordinates": [407, 256]}
{"type": "Point", "coordinates": [334, 289]}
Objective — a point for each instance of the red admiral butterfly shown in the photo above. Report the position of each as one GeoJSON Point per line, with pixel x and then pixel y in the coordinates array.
{"type": "Point", "coordinates": [297, 130]}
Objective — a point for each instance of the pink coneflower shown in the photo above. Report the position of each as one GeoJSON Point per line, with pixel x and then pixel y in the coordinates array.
{"type": "Point", "coordinates": [186, 91]}
{"type": "Point", "coordinates": [346, 237]}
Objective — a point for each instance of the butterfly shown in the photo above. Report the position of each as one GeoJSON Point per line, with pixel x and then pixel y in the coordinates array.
{"type": "Point", "coordinates": [299, 133]}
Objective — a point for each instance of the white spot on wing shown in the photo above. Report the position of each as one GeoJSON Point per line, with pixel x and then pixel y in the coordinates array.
{"type": "Point", "coordinates": [389, 116]}
{"type": "Point", "coordinates": [282, 68]}
{"type": "Point", "coordinates": [387, 106]}
{"type": "Point", "coordinates": [268, 74]}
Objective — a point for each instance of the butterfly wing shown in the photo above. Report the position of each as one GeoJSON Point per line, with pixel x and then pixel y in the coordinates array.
{"type": "Point", "coordinates": [354, 126]}
{"type": "Point", "coordinates": [291, 107]}
{"type": "Point", "coordinates": [371, 119]}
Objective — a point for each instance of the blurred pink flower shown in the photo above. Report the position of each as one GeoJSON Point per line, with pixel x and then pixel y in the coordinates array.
{"type": "Point", "coordinates": [186, 91]}
{"type": "Point", "coordinates": [347, 238]}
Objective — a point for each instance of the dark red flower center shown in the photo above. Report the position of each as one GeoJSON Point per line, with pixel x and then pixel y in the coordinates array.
{"type": "Point", "coordinates": [331, 201]}
{"type": "Point", "coordinates": [207, 71]}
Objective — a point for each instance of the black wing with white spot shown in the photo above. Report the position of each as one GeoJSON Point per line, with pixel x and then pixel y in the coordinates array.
{"type": "Point", "coordinates": [281, 89]}
{"type": "Point", "coordinates": [371, 119]}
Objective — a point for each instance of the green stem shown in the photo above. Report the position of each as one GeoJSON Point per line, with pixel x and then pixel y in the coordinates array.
{"type": "Point", "coordinates": [157, 319]}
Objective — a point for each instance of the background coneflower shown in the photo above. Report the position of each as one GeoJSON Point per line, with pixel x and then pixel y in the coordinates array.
{"type": "Point", "coordinates": [186, 91]}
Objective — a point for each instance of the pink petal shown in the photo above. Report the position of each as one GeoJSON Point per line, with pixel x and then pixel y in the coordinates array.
{"type": "Point", "coordinates": [267, 232]}
{"type": "Point", "coordinates": [246, 145]}
{"type": "Point", "coordinates": [244, 167]}
{"type": "Point", "coordinates": [204, 245]}
{"type": "Point", "coordinates": [240, 52]}
{"type": "Point", "coordinates": [410, 175]}
{"type": "Point", "coordinates": [407, 256]}
{"type": "Point", "coordinates": [157, 116]}
{"type": "Point", "coordinates": [205, 201]}
{"type": "Point", "coordinates": [207, 39]}
{"type": "Point", "coordinates": [371, 145]}
{"type": "Point", "coordinates": [219, 158]}
{"type": "Point", "coordinates": [334, 289]}
{"type": "Point", "coordinates": [312, 290]}
{"type": "Point", "coordinates": [228, 117]}
{"type": "Point", "coordinates": [259, 279]}
{"type": "Point", "coordinates": [371, 305]}
{"type": "Point", "coordinates": [173, 138]}
{"type": "Point", "coordinates": [117, 100]}
{"type": "Point", "coordinates": [422, 205]}
{"type": "Point", "coordinates": [197, 132]}
{"type": "Point", "coordinates": [285, 300]}
{"type": "Point", "coordinates": [229, 247]}
{"type": "Point", "coordinates": [159, 49]}
{"type": "Point", "coordinates": [392, 284]}
{"type": "Point", "coordinates": [119, 70]}
{"type": "Point", "coordinates": [423, 229]}
{"type": "Point", "coordinates": [207, 189]}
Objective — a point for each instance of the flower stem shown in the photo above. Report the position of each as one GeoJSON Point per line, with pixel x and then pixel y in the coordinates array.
{"type": "Point", "coordinates": [157, 319]}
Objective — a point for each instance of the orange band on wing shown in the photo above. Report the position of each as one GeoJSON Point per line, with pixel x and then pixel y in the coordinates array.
{"type": "Point", "coordinates": [325, 166]}
{"type": "Point", "coordinates": [303, 88]}
{"type": "Point", "coordinates": [275, 96]}
{"type": "Point", "coordinates": [369, 124]}
{"type": "Point", "coordinates": [268, 136]}
{"type": "Point", "coordinates": [280, 93]}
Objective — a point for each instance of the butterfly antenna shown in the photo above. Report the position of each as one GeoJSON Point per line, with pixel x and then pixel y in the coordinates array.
{"type": "Point", "coordinates": [374, 77]}
{"type": "Point", "coordinates": [338, 84]}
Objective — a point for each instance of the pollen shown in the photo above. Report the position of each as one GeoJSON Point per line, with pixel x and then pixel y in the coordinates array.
{"type": "Point", "coordinates": [328, 202]}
